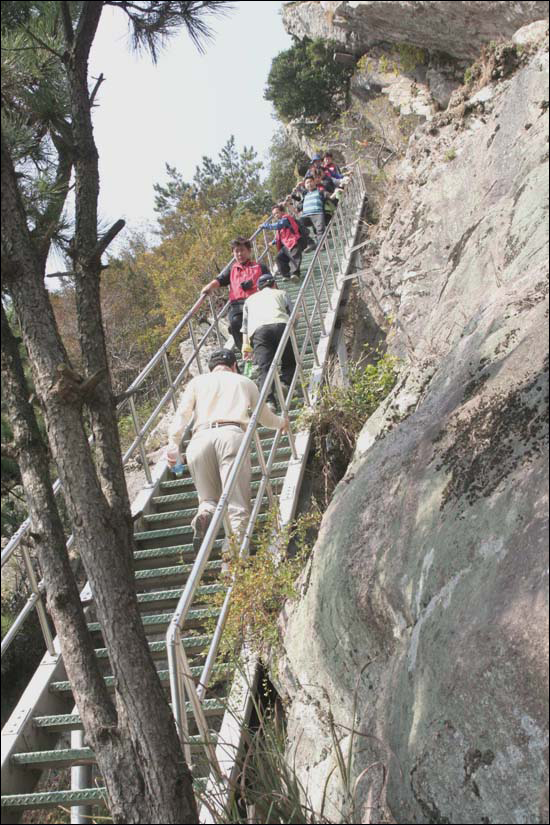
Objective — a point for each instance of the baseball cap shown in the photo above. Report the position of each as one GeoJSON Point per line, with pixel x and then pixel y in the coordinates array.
{"type": "Point", "coordinates": [222, 357]}
{"type": "Point", "coordinates": [265, 280]}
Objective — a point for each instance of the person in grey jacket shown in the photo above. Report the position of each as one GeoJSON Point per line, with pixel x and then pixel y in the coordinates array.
{"type": "Point", "coordinates": [265, 317]}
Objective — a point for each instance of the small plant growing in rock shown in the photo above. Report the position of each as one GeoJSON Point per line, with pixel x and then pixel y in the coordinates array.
{"type": "Point", "coordinates": [450, 154]}
{"type": "Point", "coordinates": [386, 66]}
{"type": "Point", "coordinates": [264, 581]}
{"type": "Point", "coordinates": [411, 56]}
{"type": "Point", "coordinates": [341, 412]}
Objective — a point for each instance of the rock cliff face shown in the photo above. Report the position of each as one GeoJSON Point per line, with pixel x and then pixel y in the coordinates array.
{"type": "Point", "coordinates": [423, 617]}
{"type": "Point", "coordinates": [458, 29]}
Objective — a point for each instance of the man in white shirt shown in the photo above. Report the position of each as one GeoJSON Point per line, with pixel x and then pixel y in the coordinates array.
{"type": "Point", "coordinates": [265, 316]}
{"type": "Point", "coordinates": [220, 404]}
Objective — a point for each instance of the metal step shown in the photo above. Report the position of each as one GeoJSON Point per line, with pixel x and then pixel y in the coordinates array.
{"type": "Point", "coordinates": [66, 758]}
{"type": "Point", "coordinates": [190, 497]}
{"type": "Point", "coordinates": [159, 621]}
{"type": "Point", "coordinates": [191, 644]}
{"type": "Point", "coordinates": [164, 676]}
{"type": "Point", "coordinates": [278, 469]}
{"type": "Point", "coordinates": [178, 552]}
{"type": "Point", "coordinates": [86, 796]}
{"type": "Point", "coordinates": [177, 574]}
{"type": "Point", "coordinates": [163, 599]}
{"type": "Point", "coordinates": [71, 721]}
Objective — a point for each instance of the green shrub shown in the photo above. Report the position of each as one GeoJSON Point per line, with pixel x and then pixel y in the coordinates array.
{"type": "Point", "coordinates": [264, 581]}
{"type": "Point", "coordinates": [341, 412]}
{"type": "Point", "coordinates": [411, 56]}
{"type": "Point", "coordinates": [305, 82]}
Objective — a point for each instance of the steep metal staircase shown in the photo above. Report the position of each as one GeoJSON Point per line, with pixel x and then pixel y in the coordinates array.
{"type": "Point", "coordinates": [175, 584]}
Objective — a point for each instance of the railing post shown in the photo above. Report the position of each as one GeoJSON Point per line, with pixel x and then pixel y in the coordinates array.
{"type": "Point", "coordinates": [282, 402]}
{"type": "Point", "coordinates": [141, 445]}
{"type": "Point", "coordinates": [269, 251]}
{"type": "Point", "coordinates": [169, 378]}
{"type": "Point", "coordinates": [194, 343]}
{"type": "Point", "coordinates": [81, 778]}
{"type": "Point", "coordinates": [318, 305]}
{"type": "Point", "coordinates": [299, 367]}
{"type": "Point", "coordinates": [310, 331]}
{"type": "Point", "coordinates": [40, 609]}
{"type": "Point", "coordinates": [324, 278]}
{"type": "Point", "coordinates": [342, 239]}
{"type": "Point", "coordinates": [263, 468]}
{"type": "Point", "coordinates": [216, 323]}
{"type": "Point", "coordinates": [330, 259]}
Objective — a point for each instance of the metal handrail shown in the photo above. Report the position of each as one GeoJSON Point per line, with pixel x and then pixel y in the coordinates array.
{"type": "Point", "coordinates": [181, 682]}
{"type": "Point", "coordinates": [138, 443]}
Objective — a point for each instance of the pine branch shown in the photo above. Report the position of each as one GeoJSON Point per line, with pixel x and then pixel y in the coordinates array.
{"type": "Point", "coordinates": [41, 43]}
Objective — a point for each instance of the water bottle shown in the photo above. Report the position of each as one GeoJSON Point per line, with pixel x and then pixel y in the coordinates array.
{"type": "Point", "coordinates": [248, 368]}
{"type": "Point", "coordinates": [173, 454]}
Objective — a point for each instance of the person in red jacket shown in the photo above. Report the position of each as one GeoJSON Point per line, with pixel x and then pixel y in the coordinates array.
{"type": "Point", "coordinates": [289, 239]}
{"type": "Point", "coordinates": [242, 279]}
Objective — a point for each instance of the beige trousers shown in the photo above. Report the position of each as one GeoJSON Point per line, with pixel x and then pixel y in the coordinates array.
{"type": "Point", "coordinates": [210, 457]}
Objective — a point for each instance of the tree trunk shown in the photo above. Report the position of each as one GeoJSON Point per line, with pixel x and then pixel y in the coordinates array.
{"type": "Point", "coordinates": [137, 748]}
{"type": "Point", "coordinates": [47, 534]}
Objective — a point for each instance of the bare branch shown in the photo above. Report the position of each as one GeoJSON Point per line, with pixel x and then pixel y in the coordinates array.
{"type": "Point", "coordinates": [70, 274]}
{"type": "Point", "coordinates": [95, 90]}
{"type": "Point", "coordinates": [109, 237]}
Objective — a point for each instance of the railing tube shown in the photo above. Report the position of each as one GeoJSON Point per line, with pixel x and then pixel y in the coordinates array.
{"type": "Point", "coordinates": [317, 306]}
{"type": "Point", "coordinates": [194, 343]}
{"type": "Point", "coordinates": [330, 253]}
{"type": "Point", "coordinates": [141, 445]}
{"type": "Point", "coordinates": [40, 609]}
{"type": "Point", "coordinates": [310, 331]}
{"type": "Point", "coordinates": [325, 284]}
{"type": "Point", "coordinates": [263, 467]}
{"type": "Point", "coordinates": [169, 379]}
{"type": "Point", "coordinates": [216, 323]}
{"type": "Point", "coordinates": [19, 621]}
{"type": "Point", "coordinates": [299, 367]}
{"type": "Point", "coordinates": [286, 414]}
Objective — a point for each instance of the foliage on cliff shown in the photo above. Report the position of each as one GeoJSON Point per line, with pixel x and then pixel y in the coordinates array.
{"type": "Point", "coordinates": [305, 83]}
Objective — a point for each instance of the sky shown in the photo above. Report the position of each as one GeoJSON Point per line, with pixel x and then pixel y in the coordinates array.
{"type": "Point", "coordinates": [185, 107]}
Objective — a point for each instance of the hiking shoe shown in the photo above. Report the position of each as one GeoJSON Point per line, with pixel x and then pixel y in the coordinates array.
{"type": "Point", "coordinates": [200, 525]}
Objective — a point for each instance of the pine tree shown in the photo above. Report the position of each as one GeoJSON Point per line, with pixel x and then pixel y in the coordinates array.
{"type": "Point", "coordinates": [47, 138]}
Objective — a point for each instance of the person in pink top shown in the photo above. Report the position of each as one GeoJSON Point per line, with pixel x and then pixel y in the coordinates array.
{"type": "Point", "coordinates": [289, 239]}
{"type": "Point", "coordinates": [242, 279]}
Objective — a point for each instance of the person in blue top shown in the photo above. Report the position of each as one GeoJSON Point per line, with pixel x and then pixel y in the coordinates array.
{"type": "Point", "coordinates": [313, 208]}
